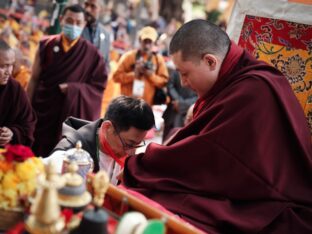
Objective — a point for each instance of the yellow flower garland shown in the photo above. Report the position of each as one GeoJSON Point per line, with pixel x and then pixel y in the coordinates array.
{"type": "Point", "coordinates": [17, 180]}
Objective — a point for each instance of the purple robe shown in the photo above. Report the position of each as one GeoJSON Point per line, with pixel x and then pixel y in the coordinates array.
{"type": "Point", "coordinates": [16, 113]}
{"type": "Point", "coordinates": [243, 165]}
{"type": "Point", "coordinates": [83, 69]}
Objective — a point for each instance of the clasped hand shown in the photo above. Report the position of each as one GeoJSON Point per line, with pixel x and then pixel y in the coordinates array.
{"type": "Point", "coordinates": [63, 87]}
{"type": "Point", "coordinates": [6, 136]}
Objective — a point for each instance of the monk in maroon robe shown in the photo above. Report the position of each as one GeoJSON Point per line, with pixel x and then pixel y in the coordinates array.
{"type": "Point", "coordinates": [244, 163]}
{"type": "Point", "coordinates": [17, 119]}
{"type": "Point", "coordinates": [68, 80]}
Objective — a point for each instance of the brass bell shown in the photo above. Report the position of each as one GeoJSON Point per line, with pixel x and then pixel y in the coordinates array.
{"type": "Point", "coordinates": [45, 211]}
{"type": "Point", "coordinates": [74, 194]}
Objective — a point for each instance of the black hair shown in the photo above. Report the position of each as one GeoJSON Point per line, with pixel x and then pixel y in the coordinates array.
{"type": "Point", "coordinates": [74, 8]}
{"type": "Point", "coordinates": [126, 112]}
{"type": "Point", "coordinates": [199, 37]}
{"type": "Point", "coordinates": [4, 46]}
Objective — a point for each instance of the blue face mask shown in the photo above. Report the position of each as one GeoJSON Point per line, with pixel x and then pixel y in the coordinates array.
{"type": "Point", "coordinates": [72, 32]}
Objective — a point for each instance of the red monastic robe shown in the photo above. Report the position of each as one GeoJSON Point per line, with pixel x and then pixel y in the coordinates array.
{"type": "Point", "coordinates": [16, 113]}
{"type": "Point", "coordinates": [243, 165]}
{"type": "Point", "coordinates": [83, 69]}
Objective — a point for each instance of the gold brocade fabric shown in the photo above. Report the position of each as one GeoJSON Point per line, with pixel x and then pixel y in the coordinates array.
{"type": "Point", "coordinates": [286, 46]}
{"type": "Point", "coordinates": [293, 64]}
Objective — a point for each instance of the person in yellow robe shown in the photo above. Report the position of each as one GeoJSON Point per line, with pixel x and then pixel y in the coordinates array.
{"type": "Point", "coordinates": [22, 69]}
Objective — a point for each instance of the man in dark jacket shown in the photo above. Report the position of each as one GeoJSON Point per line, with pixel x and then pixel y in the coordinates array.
{"type": "Point", "coordinates": [111, 139]}
{"type": "Point", "coordinates": [94, 30]}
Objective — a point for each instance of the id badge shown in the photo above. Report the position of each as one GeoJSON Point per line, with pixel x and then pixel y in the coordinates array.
{"type": "Point", "coordinates": [138, 88]}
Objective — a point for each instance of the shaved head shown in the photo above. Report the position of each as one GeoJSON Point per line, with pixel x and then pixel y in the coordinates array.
{"type": "Point", "coordinates": [199, 37]}
{"type": "Point", "coordinates": [7, 60]}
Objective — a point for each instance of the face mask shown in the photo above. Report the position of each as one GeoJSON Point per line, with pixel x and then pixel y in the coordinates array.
{"type": "Point", "coordinates": [72, 32]}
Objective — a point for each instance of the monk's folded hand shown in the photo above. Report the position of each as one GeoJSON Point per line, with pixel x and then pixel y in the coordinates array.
{"type": "Point", "coordinates": [6, 136]}
{"type": "Point", "coordinates": [63, 87]}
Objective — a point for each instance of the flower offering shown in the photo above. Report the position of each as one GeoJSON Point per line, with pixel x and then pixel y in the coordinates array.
{"type": "Point", "coordinates": [19, 169]}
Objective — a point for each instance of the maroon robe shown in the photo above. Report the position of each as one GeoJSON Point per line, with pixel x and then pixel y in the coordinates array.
{"type": "Point", "coordinates": [243, 165]}
{"type": "Point", "coordinates": [83, 69]}
{"type": "Point", "coordinates": [16, 113]}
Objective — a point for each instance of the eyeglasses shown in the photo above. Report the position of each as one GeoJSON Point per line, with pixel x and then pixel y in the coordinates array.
{"type": "Point", "coordinates": [126, 146]}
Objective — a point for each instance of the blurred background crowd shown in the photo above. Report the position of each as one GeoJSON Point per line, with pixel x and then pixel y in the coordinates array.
{"type": "Point", "coordinates": [24, 22]}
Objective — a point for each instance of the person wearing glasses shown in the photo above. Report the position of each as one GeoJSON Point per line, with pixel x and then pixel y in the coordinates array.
{"type": "Point", "coordinates": [111, 139]}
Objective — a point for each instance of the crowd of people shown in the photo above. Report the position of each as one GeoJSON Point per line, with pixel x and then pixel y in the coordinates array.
{"type": "Point", "coordinates": [241, 162]}
{"type": "Point", "coordinates": [33, 55]}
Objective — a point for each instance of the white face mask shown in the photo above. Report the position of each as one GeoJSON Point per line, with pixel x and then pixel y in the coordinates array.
{"type": "Point", "coordinates": [72, 32]}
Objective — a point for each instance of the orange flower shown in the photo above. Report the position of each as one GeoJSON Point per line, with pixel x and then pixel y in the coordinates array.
{"type": "Point", "coordinates": [5, 166]}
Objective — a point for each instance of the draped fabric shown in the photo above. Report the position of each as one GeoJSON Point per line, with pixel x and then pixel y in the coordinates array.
{"type": "Point", "coordinates": [83, 69]}
{"type": "Point", "coordinates": [287, 46]}
{"type": "Point", "coordinates": [16, 113]}
{"type": "Point", "coordinates": [244, 164]}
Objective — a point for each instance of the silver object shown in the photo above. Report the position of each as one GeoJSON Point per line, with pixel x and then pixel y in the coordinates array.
{"type": "Point", "coordinates": [81, 157]}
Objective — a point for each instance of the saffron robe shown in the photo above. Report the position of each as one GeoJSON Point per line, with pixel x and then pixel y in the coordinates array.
{"type": "Point", "coordinates": [16, 113]}
{"type": "Point", "coordinates": [23, 76]}
{"type": "Point", "coordinates": [243, 164]}
{"type": "Point", "coordinates": [83, 69]}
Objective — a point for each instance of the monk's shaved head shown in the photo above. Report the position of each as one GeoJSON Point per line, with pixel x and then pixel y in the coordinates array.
{"type": "Point", "coordinates": [7, 60]}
